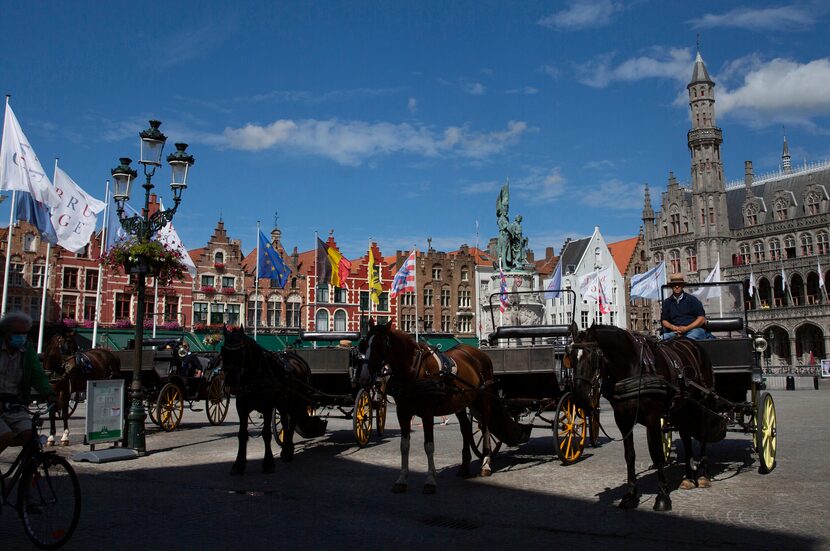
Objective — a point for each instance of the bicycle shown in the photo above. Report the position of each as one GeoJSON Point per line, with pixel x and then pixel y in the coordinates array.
{"type": "Point", "coordinates": [48, 492]}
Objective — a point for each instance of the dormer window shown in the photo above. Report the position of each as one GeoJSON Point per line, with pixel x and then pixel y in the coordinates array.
{"type": "Point", "coordinates": [812, 205]}
{"type": "Point", "coordinates": [780, 208]}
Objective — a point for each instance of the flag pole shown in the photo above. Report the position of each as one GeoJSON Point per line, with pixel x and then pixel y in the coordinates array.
{"type": "Point", "coordinates": [45, 278]}
{"type": "Point", "coordinates": [371, 278]}
{"type": "Point", "coordinates": [11, 223]}
{"type": "Point", "coordinates": [256, 283]}
{"type": "Point", "coordinates": [415, 281]}
{"type": "Point", "coordinates": [102, 246]}
{"type": "Point", "coordinates": [313, 314]}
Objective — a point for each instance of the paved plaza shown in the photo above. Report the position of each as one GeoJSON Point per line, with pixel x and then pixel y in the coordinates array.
{"type": "Point", "coordinates": [337, 496]}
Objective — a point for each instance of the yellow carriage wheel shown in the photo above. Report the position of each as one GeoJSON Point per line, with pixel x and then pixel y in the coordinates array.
{"type": "Point", "coordinates": [766, 439]}
{"type": "Point", "coordinates": [570, 430]}
{"type": "Point", "coordinates": [170, 407]}
{"type": "Point", "coordinates": [217, 402]}
{"type": "Point", "coordinates": [362, 417]}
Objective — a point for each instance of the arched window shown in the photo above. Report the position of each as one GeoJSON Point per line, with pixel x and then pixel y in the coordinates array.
{"type": "Point", "coordinates": [658, 258]}
{"type": "Point", "coordinates": [774, 249]}
{"type": "Point", "coordinates": [321, 320]}
{"type": "Point", "coordinates": [812, 204]}
{"type": "Point", "coordinates": [780, 208]}
{"type": "Point", "coordinates": [822, 243]}
{"type": "Point", "coordinates": [711, 210]}
{"type": "Point", "coordinates": [30, 242]}
{"type": "Point", "coordinates": [465, 274]}
{"type": "Point", "coordinates": [674, 218]}
{"type": "Point", "coordinates": [789, 247]}
{"type": "Point", "coordinates": [806, 244]}
{"type": "Point", "coordinates": [219, 258]}
{"type": "Point", "coordinates": [274, 314]}
{"type": "Point", "coordinates": [759, 252]}
{"type": "Point", "coordinates": [751, 214]}
{"type": "Point", "coordinates": [744, 254]}
{"type": "Point", "coordinates": [340, 320]}
{"type": "Point", "coordinates": [674, 260]}
{"type": "Point", "coordinates": [691, 259]}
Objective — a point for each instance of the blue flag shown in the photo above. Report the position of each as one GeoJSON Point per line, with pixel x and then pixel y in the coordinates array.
{"type": "Point", "coordinates": [115, 233]}
{"type": "Point", "coordinates": [270, 264]}
{"type": "Point", "coordinates": [37, 214]}
{"type": "Point", "coordinates": [552, 290]}
{"type": "Point", "coordinates": [648, 284]}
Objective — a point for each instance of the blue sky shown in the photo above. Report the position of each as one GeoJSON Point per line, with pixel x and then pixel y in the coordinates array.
{"type": "Point", "coordinates": [398, 121]}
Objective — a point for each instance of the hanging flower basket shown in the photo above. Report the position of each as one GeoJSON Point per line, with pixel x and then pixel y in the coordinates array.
{"type": "Point", "coordinates": [209, 289]}
{"type": "Point", "coordinates": [228, 290]}
{"type": "Point", "coordinates": [219, 265]}
{"type": "Point", "coordinates": [145, 258]}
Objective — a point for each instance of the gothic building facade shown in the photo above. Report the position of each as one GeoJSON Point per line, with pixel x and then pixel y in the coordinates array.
{"type": "Point", "coordinates": [771, 229]}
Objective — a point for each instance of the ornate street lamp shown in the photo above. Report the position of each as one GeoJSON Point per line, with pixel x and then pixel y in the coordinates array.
{"type": "Point", "coordinates": [144, 226]}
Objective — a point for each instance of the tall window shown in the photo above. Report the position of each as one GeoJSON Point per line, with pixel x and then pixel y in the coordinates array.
{"type": "Point", "coordinates": [383, 302]}
{"type": "Point", "coordinates": [232, 314]}
{"type": "Point", "coordinates": [428, 297]}
{"type": "Point", "coordinates": [323, 293]}
{"type": "Point", "coordinates": [691, 260]}
{"type": "Point", "coordinates": [812, 206]}
{"type": "Point", "coordinates": [274, 311]}
{"type": "Point", "coordinates": [208, 281]}
{"type": "Point", "coordinates": [292, 311]}
{"type": "Point", "coordinates": [69, 305]}
{"type": "Point", "coordinates": [228, 282]}
{"type": "Point", "coordinates": [171, 308]}
{"type": "Point", "coordinates": [428, 323]}
{"type": "Point", "coordinates": [584, 319]}
{"type": "Point", "coordinates": [744, 253]}
{"type": "Point", "coordinates": [408, 323]}
{"type": "Point", "coordinates": [30, 243]}
{"type": "Point", "coordinates": [16, 274]}
{"type": "Point", "coordinates": [321, 320]}
{"type": "Point", "coordinates": [780, 210]}
{"type": "Point", "coordinates": [789, 247]}
{"type": "Point", "coordinates": [806, 245]}
{"type": "Point", "coordinates": [436, 272]}
{"type": "Point", "coordinates": [37, 275]}
{"type": "Point", "coordinates": [89, 308]}
{"type": "Point", "coordinates": [465, 324]}
{"type": "Point", "coordinates": [34, 308]}
{"type": "Point", "coordinates": [822, 243]}
{"type": "Point", "coordinates": [254, 311]}
{"type": "Point", "coordinates": [219, 258]}
{"type": "Point", "coordinates": [364, 301]}
{"type": "Point", "coordinates": [711, 210]}
{"type": "Point", "coordinates": [674, 260]}
{"type": "Point", "coordinates": [751, 216]}
{"type": "Point", "coordinates": [122, 306]}
{"type": "Point", "coordinates": [340, 320]}
{"type": "Point", "coordinates": [465, 274]}
{"type": "Point", "coordinates": [774, 249]}
{"type": "Point", "coordinates": [445, 323]}
{"type": "Point", "coordinates": [464, 295]}
{"type": "Point", "coordinates": [91, 280]}
{"type": "Point", "coordinates": [758, 251]}
{"type": "Point", "coordinates": [200, 312]}
{"type": "Point", "coordinates": [83, 253]}
{"type": "Point", "coordinates": [217, 313]}
{"type": "Point", "coordinates": [340, 295]}
{"type": "Point", "coordinates": [445, 297]}
{"type": "Point", "coordinates": [408, 299]}
{"type": "Point", "coordinates": [674, 219]}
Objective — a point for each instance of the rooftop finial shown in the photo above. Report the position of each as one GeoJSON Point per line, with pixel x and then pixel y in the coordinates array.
{"type": "Point", "coordinates": [276, 218]}
{"type": "Point", "coordinates": [697, 43]}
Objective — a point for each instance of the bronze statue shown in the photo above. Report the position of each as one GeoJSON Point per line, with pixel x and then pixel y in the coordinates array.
{"type": "Point", "coordinates": [512, 245]}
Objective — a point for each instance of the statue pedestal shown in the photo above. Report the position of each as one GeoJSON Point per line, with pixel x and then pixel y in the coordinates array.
{"type": "Point", "coordinates": [524, 309]}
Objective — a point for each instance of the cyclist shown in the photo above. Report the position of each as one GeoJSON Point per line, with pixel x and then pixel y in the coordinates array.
{"type": "Point", "coordinates": [20, 371]}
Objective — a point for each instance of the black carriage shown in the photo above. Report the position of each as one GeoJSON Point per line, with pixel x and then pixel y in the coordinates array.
{"type": "Point", "coordinates": [735, 352]}
{"type": "Point", "coordinates": [534, 387]}
{"type": "Point", "coordinates": [335, 389]}
{"type": "Point", "coordinates": [172, 377]}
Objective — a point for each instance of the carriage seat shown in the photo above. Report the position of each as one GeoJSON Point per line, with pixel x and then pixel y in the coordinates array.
{"type": "Point", "coordinates": [724, 324]}
{"type": "Point", "coordinates": [329, 336]}
{"type": "Point", "coordinates": [530, 332]}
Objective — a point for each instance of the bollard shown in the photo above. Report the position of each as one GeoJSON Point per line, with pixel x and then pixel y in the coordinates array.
{"type": "Point", "coordinates": [815, 382]}
{"type": "Point", "coordinates": [790, 382]}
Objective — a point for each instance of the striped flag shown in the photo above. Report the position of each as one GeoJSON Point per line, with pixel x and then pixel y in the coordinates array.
{"type": "Point", "coordinates": [404, 281]}
{"type": "Point", "coordinates": [504, 302]}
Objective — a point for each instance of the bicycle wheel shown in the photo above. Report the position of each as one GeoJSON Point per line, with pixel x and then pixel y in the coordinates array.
{"type": "Point", "coordinates": [49, 501]}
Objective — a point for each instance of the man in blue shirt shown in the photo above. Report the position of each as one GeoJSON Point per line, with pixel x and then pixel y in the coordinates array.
{"type": "Point", "coordinates": [682, 313]}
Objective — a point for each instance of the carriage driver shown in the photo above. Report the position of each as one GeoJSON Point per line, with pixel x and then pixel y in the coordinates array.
{"type": "Point", "coordinates": [20, 370]}
{"type": "Point", "coordinates": [682, 314]}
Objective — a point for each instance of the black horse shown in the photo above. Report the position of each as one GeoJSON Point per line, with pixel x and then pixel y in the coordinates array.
{"type": "Point", "coordinates": [647, 382]}
{"type": "Point", "coordinates": [263, 381]}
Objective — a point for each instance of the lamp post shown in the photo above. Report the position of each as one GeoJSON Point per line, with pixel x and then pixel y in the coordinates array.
{"type": "Point", "coordinates": [144, 226]}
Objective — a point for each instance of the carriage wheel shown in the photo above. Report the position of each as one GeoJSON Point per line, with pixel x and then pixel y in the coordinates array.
{"type": "Point", "coordinates": [570, 430]}
{"type": "Point", "coordinates": [766, 437]}
{"type": "Point", "coordinates": [381, 410]}
{"type": "Point", "coordinates": [151, 411]}
{"type": "Point", "coordinates": [170, 407]}
{"type": "Point", "coordinates": [478, 436]}
{"type": "Point", "coordinates": [276, 428]}
{"type": "Point", "coordinates": [667, 438]}
{"type": "Point", "coordinates": [217, 401]}
{"type": "Point", "coordinates": [593, 426]}
{"type": "Point", "coordinates": [362, 417]}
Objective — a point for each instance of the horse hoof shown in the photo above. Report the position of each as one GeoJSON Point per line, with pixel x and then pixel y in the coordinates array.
{"type": "Point", "coordinates": [398, 488]}
{"type": "Point", "coordinates": [64, 442]}
{"type": "Point", "coordinates": [704, 482]}
{"type": "Point", "coordinates": [50, 443]}
{"type": "Point", "coordinates": [429, 488]}
{"type": "Point", "coordinates": [662, 503]}
{"type": "Point", "coordinates": [629, 501]}
{"type": "Point", "coordinates": [485, 473]}
{"type": "Point", "coordinates": [688, 484]}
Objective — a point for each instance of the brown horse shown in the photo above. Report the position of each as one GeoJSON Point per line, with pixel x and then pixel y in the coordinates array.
{"type": "Point", "coordinates": [69, 370]}
{"type": "Point", "coordinates": [647, 382]}
{"type": "Point", "coordinates": [422, 386]}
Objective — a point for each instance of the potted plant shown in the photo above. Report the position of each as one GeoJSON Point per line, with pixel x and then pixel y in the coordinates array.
{"type": "Point", "coordinates": [228, 290]}
{"type": "Point", "coordinates": [219, 265]}
{"type": "Point", "coordinates": [208, 289]}
{"type": "Point", "coordinates": [123, 324]}
{"type": "Point", "coordinates": [145, 257]}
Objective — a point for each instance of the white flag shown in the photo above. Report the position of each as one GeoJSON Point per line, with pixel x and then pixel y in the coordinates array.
{"type": "Point", "coordinates": [168, 236]}
{"type": "Point", "coordinates": [820, 275]}
{"type": "Point", "coordinates": [589, 286]}
{"type": "Point", "coordinates": [20, 169]}
{"type": "Point", "coordinates": [783, 278]}
{"type": "Point", "coordinates": [714, 277]}
{"type": "Point", "coordinates": [606, 280]}
{"type": "Point", "coordinates": [74, 219]}
{"type": "Point", "coordinates": [751, 283]}
{"type": "Point", "coordinates": [648, 284]}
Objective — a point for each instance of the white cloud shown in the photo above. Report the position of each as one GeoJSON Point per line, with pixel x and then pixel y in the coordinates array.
{"type": "Point", "coordinates": [550, 70]}
{"type": "Point", "coordinates": [351, 142]}
{"type": "Point", "coordinates": [474, 88]}
{"type": "Point", "coordinates": [541, 185]}
{"type": "Point", "coordinates": [412, 105]}
{"type": "Point", "coordinates": [481, 187]}
{"type": "Point", "coordinates": [526, 90]}
{"type": "Point", "coordinates": [671, 63]}
{"type": "Point", "coordinates": [612, 194]}
{"type": "Point", "coordinates": [763, 19]}
{"type": "Point", "coordinates": [582, 14]}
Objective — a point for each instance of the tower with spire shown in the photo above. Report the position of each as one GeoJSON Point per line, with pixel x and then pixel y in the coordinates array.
{"type": "Point", "coordinates": [648, 218]}
{"type": "Point", "coordinates": [708, 187]}
{"type": "Point", "coordinates": [786, 167]}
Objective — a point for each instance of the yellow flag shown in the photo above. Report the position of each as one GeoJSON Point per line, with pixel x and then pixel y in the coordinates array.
{"type": "Point", "coordinates": [375, 288]}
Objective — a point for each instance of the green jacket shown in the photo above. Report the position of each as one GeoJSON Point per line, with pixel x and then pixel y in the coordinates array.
{"type": "Point", "coordinates": [33, 376]}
